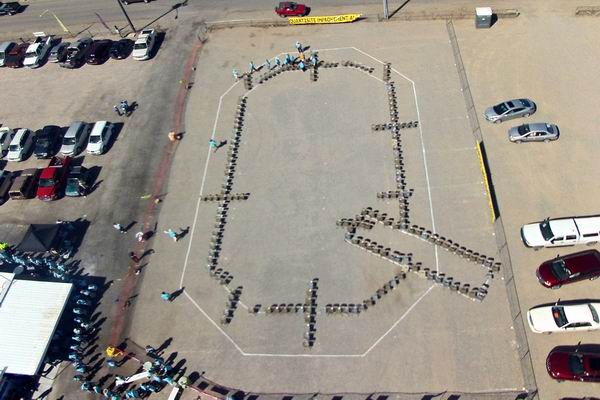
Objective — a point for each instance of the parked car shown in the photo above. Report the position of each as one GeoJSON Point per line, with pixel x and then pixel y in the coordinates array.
{"type": "Point", "coordinates": [561, 232]}
{"type": "Point", "coordinates": [10, 8]}
{"type": "Point", "coordinates": [291, 9]}
{"type": "Point", "coordinates": [5, 48]}
{"type": "Point", "coordinates": [15, 57]}
{"type": "Point", "coordinates": [538, 132]}
{"type": "Point", "coordinates": [20, 145]}
{"type": "Point", "coordinates": [25, 184]}
{"type": "Point", "coordinates": [100, 137]}
{"type": "Point", "coordinates": [5, 182]}
{"type": "Point", "coordinates": [47, 141]}
{"type": "Point", "coordinates": [77, 52]}
{"type": "Point", "coordinates": [573, 365]}
{"type": "Point", "coordinates": [52, 178]}
{"type": "Point", "coordinates": [74, 139]}
{"type": "Point", "coordinates": [564, 318]}
{"type": "Point", "coordinates": [509, 110]}
{"type": "Point", "coordinates": [570, 268]}
{"type": "Point", "coordinates": [38, 50]}
{"type": "Point", "coordinates": [98, 51]}
{"type": "Point", "coordinates": [142, 48]}
{"type": "Point", "coordinates": [6, 136]}
{"type": "Point", "coordinates": [59, 52]}
{"type": "Point", "coordinates": [77, 182]}
{"type": "Point", "coordinates": [120, 49]}
{"type": "Point", "coordinates": [126, 2]}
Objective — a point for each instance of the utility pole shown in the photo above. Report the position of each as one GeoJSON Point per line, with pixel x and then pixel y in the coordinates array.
{"type": "Point", "coordinates": [126, 16]}
{"type": "Point", "coordinates": [386, 10]}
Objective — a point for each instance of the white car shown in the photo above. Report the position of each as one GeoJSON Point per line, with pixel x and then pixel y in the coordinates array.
{"type": "Point", "coordinates": [144, 44]}
{"type": "Point", "coordinates": [20, 145]}
{"type": "Point", "coordinates": [6, 135]}
{"type": "Point", "coordinates": [38, 50]}
{"type": "Point", "coordinates": [100, 137]}
{"type": "Point", "coordinates": [564, 318]}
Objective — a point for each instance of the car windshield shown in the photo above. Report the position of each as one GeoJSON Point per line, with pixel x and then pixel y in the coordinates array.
{"type": "Point", "coordinates": [46, 182]}
{"type": "Point", "coordinates": [30, 54]}
{"type": "Point", "coordinates": [594, 313]}
{"type": "Point", "coordinates": [95, 139]}
{"type": "Point", "coordinates": [523, 129]}
{"type": "Point", "coordinates": [140, 46]}
{"type": "Point", "coordinates": [14, 147]}
{"type": "Point", "coordinates": [546, 230]}
{"type": "Point", "coordinates": [500, 108]}
{"type": "Point", "coordinates": [560, 270]}
{"type": "Point", "coordinates": [525, 103]}
{"type": "Point", "coordinates": [576, 363]}
{"type": "Point", "coordinates": [559, 316]}
{"type": "Point", "coordinates": [69, 141]}
{"type": "Point", "coordinates": [550, 128]}
{"type": "Point", "coordinates": [41, 142]}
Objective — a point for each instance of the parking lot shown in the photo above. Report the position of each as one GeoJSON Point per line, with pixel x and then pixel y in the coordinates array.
{"type": "Point", "coordinates": [534, 181]}
{"type": "Point", "coordinates": [307, 158]}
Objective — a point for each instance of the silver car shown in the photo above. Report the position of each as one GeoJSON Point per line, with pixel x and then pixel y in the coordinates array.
{"type": "Point", "coordinates": [509, 110]}
{"type": "Point", "coordinates": [538, 132]}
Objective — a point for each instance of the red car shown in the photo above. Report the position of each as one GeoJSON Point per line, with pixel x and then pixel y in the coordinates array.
{"type": "Point", "coordinates": [290, 9]}
{"type": "Point", "coordinates": [14, 59]}
{"type": "Point", "coordinates": [52, 178]}
{"type": "Point", "coordinates": [573, 365]}
{"type": "Point", "coordinates": [570, 268]}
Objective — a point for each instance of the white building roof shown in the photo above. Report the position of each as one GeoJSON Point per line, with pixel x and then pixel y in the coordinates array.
{"type": "Point", "coordinates": [29, 314]}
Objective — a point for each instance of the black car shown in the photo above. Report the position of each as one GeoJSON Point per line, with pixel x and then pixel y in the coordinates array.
{"type": "Point", "coordinates": [76, 53]}
{"type": "Point", "coordinates": [47, 141]}
{"type": "Point", "coordinates": [10, 8]}
{"type": "Point", "coordinates": [134, 1]}
{"type": "Point", "coordinates": [98, 51]}
{"type": "Point", "coordinates": [121, 49]}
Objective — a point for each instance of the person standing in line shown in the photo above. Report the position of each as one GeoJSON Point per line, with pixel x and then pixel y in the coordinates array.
{"type": "Point", "coordinates": [299, 47]}
{"type": "Point", "coordinates": [134, 257]}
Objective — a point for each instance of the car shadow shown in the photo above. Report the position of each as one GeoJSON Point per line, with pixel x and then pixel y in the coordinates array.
{"type": "Point", "coordinates": [117, 127]}
{"type": "Point", "coordinates": [93, 173]}
{"type": "Point", "coordinates": [160, 38]}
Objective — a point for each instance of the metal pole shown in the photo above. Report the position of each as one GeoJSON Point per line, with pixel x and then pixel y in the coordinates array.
{"type": "Point", "coordinates": [386, 11]}
{"type": "Point", "coordinates": [126, 16]}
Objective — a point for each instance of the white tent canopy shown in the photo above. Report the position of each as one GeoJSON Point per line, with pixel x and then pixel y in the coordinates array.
{"type": "Point", "coordinates": [29, 314]}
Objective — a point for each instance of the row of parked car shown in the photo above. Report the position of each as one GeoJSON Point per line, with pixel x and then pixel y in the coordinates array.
{"type": "Point", "coordinates": [59, 178]}
{"type": "Point", "coordinates": [75, 54]}
{"type": "Point", "coordinates": [48, 141]}
{"type": "Point", "coordinates": [536, 132]}
{"type": "Point", "coordinates": [574, 363]}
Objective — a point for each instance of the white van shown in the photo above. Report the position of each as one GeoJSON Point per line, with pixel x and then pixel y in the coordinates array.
{"type": "Point", "coordinates": [5, 48]}
{"type": "Point", "coordinates": [561, 232]}
{"type": "Point", "coordinates": [74, 139]}
{"type": "Point", "coordinates": [20, 145]}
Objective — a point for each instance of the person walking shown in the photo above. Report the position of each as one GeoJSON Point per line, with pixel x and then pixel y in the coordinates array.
{"type": "Point", "coordinates": [212, 143]}
{"type": "Point", "coordinates": [172, 234]}
{"type": "Point", "coordinates": [236, 74]}
{"type": "Point", "coordinates": [119, 227]}
{"type": "Point", "coordinates": [166, 296]}
{"type": "Point", "coordinates": [134, 257]}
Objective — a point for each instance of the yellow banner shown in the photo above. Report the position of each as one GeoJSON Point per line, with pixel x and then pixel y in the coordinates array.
{"type": "Point", "coordinates": [331, 19]}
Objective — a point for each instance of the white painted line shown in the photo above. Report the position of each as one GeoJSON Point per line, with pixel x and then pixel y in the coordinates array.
{"type": "Point", "coordinates": [435, 248]}
{"type": "Point", "coordinates": [189, 248]}
{"type": "Point", "coordinates": [216, 325]}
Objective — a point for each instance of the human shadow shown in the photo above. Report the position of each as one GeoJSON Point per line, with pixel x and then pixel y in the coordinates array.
{"type": "Point", "coordinates": [177, 293]}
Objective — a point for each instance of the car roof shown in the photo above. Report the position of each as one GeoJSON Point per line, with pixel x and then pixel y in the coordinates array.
{"type": "Point", "coordinates": [563, 227]}
{"type": "Point", "coordinates": [577, 312]}
{"type": "Point", "coordinates": [98, 127]}
{"type": "Point", "coordinates": [538, 126]}
{"type": "Point", "coordinates": [588, 224]}
{"type": "Point", "coordinates": [74, 127]}
{"type": "Point", "coordinates": [18, 135]}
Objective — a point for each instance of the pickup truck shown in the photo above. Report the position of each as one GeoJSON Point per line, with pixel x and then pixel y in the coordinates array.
{"type": "Point", "coordinates": [561, 232]}
{"type": "Point", "coordinates": [38, 50]}
{"type": "Point", "coordinates": [10, 8]}
{"type": "Point", "coordinates": [52, 178]}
